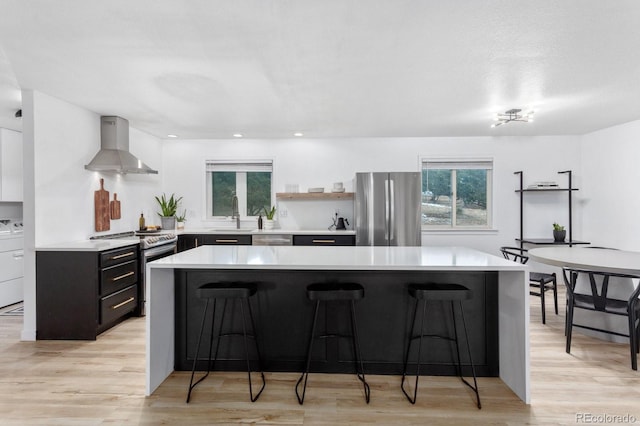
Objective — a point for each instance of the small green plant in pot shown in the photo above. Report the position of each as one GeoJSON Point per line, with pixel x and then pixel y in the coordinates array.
{"type": "Point", "coordinates": [559, 233]}
{"type": "Point", "coordinates": [168, 209]}
{"type": "Point", "coordinates": [269, 215]}
{"type": "Point", "coordinates": [181, 219]}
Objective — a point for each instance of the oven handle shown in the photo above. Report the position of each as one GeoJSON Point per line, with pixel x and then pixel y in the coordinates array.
{"type": "Point", "coordinates": [166, 248]}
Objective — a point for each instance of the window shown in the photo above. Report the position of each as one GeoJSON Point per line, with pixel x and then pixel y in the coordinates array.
{"type": "Point", "coordinates": [250, 181]}
{"type": "Point", "coordinates": [456, 194]}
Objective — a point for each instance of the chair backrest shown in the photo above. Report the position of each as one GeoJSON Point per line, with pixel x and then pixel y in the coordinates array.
{"type": "Point", "coordinates": [516, 254]}
{"type": "Point", "coordinates": [601, 288]}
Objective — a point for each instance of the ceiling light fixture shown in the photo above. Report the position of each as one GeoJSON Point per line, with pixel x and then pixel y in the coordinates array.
{"type": "Point", "coordinates": [237, 135]}
{"type": "Point", "coordinates": [172, 136]}
{"type": "Point", "coordinates": [512, 115]}
{"type": "Point", "coordinates": [298, 134]}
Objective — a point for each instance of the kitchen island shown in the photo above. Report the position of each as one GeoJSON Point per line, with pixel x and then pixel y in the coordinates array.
{"type": "Point", "coordinates": [499, 311]}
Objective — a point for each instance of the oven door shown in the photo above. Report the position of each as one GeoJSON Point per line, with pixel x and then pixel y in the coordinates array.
{"type": "Point", "coordinates": [149, 255]}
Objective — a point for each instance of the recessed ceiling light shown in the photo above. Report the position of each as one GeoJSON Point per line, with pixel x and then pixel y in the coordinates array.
{"type": "Point", "coordinates": [298, 134]}
{"type": "Point", "coordinates": [237, 135]}
{"type": "Point", "coordinates": [172, 136]}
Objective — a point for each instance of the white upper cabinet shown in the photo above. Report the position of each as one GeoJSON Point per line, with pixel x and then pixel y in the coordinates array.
{"type": "Point", "coordinates": [10, 165]}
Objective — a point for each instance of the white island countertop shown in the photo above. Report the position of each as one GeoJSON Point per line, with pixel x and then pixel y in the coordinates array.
{"type": "Point", "coordinates": [337, 258]}
{"type": "Point", "coordinates": [513, 291]}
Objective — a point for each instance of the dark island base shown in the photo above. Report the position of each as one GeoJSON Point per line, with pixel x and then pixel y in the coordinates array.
{"type": "Point", "coordinates": [283, 318]}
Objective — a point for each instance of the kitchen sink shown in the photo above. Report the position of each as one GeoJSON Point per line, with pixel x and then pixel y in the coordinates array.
{"type": "Point", "coordinates": [232, 230]}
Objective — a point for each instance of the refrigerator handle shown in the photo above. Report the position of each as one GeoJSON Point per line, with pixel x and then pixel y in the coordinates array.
{"type": "Point", "coordinates": [392, 207]}
{"type": "Point", "coordinates": [386, 209]}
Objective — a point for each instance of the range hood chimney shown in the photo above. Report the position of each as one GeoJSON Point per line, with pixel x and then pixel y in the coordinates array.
{"type": "Point", "coordinates": [114, 155]}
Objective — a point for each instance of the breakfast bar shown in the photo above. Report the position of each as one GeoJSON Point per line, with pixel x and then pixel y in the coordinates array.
{"type": "Point", "coordinates": [499, 309]}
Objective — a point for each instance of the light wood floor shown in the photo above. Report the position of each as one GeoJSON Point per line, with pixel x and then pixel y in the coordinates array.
{"type": "Point", "coordinates": [102, 382]}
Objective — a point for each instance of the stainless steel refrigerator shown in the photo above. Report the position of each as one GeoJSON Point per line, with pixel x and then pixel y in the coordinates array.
{"type": "Point", "coordinates": [387, 209]}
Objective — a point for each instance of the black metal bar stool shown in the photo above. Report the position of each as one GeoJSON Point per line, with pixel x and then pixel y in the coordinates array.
{"type": "Point", "coordinates": [240, 292]}
{"type": "Point", "coordinates": [332, 292]}
{"type": "Point", "coordinates": [443, 293]}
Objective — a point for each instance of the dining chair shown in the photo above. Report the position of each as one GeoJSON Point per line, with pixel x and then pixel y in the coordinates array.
{"type": "Point", "coordinates": [539, 282]}
{"type": "Point", "coordinates": [591, 291]}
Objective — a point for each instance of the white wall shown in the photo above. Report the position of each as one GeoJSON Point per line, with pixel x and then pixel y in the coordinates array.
{"type": "Point", "coordinates": [320, 162]}
{"type": "Point", "coordinates": [11, 210]}
{"type": "Point", "coordinates": [610, 178]}
{"type": "Point", "coordinates": [60, 138]}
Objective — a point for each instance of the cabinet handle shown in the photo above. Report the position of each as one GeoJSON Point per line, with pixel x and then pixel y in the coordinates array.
{"type": "Point", "coordinates": [131, 299]}
{"type": "Point", "coordinates": [18, 255]}
{"type": "Point", "coordinates": [196, 243]}
{"type": "Point", "coordinates": [120, 256]}
{"type": "Point", "coordinates": [226, 241]}
{"type": "Point", "coordinates": [128, 274]}
{"type": "Point", "coordinates": [323, 241]}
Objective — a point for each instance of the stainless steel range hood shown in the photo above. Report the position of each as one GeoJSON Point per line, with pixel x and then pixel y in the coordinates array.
{"type": "Point", "coordinates": [114, 155]}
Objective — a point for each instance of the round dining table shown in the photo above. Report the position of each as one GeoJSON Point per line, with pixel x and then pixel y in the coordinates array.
{"type": "Point", "coordinates": [593, 259]}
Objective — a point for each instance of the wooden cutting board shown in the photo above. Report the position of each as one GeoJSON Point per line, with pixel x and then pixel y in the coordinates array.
{"type": "Point", "coordinates": [115, 207]}
{"type": "Point", "coordinates": [101, 203]}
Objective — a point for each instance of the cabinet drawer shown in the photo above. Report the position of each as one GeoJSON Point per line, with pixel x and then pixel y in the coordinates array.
{"type": "Point", "coordinates": [324, 240]}
{"type": "Point", "coordinates": [239, 240]}
{"type": "Point", "coordinates": [114, 306]}
{"type": "Point", "coordinates": [113, 257]}
{"type": "Point", "coordinates": [118, 277]}
{"type": "Point", "coordinates": [11, 265]}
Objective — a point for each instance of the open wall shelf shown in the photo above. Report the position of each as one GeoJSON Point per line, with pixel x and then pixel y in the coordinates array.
{"type": "Point", "coordinates": [547, 241]}
{"type": "Point", "coordinates": [314, 196]}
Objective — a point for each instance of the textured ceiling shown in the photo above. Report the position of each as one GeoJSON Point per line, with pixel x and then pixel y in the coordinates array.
{"type": "Point", "coordinates": [328, 68]}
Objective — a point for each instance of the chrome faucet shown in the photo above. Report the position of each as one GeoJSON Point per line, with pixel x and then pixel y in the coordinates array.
{"type": "Point", "coordinates": [235, 214]}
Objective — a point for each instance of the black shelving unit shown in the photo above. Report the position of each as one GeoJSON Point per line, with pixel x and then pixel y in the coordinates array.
{"type": "Point", "coordinates": [547, 241]}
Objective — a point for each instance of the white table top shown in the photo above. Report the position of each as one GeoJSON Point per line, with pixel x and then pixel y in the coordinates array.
{"type": "Point", "coordinates": [605, 260]}
{"type": "Point", "coordinates": [337, 258]}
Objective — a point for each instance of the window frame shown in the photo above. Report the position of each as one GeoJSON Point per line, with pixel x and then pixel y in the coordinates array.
{"type": "Point", "coordinates": [241, 183]}
{"type": "Point", "coordinates": [457, 163]}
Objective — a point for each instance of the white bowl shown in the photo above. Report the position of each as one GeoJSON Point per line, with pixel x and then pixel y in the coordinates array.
{"type": "Point", "coordinates": [316, 189]}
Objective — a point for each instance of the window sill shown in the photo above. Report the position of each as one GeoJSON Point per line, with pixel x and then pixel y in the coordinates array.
{"type": "Point", "coordinates": [460, 231]}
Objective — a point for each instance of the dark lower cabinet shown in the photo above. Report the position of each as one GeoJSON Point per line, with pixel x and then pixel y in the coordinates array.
{"type": "Point", "coordinates": [81, 294]}
{"type": "Point", "coordinates": [189, 241]}
{"type": "Point", "coordinates": [324, 240]}
{"type": "Point", "coordinates": [283, 316]}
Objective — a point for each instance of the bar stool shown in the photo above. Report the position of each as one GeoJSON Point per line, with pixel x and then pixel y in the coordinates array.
{"type": "Point", "coordinates": [443, 293]}
{"type": "Point", "coordinates": [233, 291]}
{"type": "Point", "coordinates": [333, 292]}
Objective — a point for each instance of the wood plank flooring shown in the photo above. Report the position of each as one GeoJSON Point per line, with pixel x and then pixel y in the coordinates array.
{"type": "Point", "coordinates": [102, 383]}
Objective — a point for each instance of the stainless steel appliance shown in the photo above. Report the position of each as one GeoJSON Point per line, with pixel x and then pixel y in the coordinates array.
{"type": "Point", "coordinates": [271, 239]}
{"type": "Point", "coordinates": [387, 209]}
{"type": "Point", "coordinates": [153, 246]}
{"type": "Point", "coordinates": [114, 155]}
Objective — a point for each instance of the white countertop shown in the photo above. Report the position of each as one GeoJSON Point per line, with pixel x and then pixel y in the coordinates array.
{"type": "Point", "coordinates": [263, 231]}
{"type": "Point", "coordinates": [337, 258]}
{"type": "Point", "coordinates": [10, 235]}
{"type": "Point", "coordinates": [102, 245]}
{"type": "Point", "coordinates": [90, 245]}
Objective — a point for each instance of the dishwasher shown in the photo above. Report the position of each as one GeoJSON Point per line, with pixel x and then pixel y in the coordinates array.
{"type": "Point", "coordinates": [271, 239]}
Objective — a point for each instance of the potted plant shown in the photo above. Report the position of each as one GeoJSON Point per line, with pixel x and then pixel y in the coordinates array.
{"type": "Point", "coordinates": [168, 207]}
{"type": "Point", "coordinates": [559, 233]}
{"type": "Point", "coordinates": [181, 219]}
{"type": "Point", "coordinates": [269, 215]}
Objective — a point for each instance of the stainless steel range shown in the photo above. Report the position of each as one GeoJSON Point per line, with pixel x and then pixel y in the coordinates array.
{"type": "Point", "coordinates": [153, 246]}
